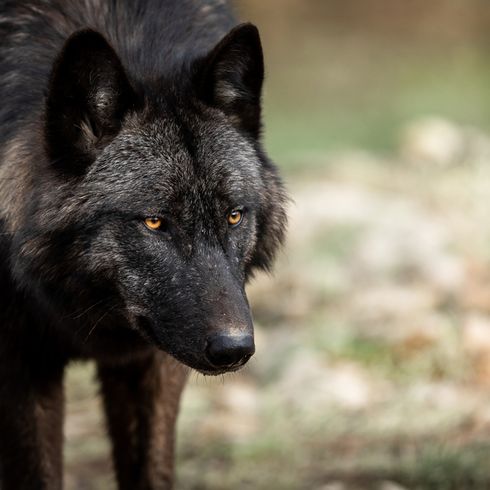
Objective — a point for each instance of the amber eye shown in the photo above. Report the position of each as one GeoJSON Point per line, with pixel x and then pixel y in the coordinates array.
{"type": "Point", "coordinates": [235, 217]}
{"type": "Point", "coordinates": [153, 222]}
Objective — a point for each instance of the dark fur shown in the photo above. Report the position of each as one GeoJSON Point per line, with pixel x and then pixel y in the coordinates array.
{"type": "Point", "coordinates": [113, 111]}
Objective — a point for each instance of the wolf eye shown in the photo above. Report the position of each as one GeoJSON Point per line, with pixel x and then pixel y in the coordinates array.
{"type": "Point", "coordinates": [235, 217]}
{"type": "Point", "coordinates": [153, 223]}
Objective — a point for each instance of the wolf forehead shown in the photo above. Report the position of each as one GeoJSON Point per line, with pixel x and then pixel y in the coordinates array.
{"type": "Point", "coordinates": [171, 158]}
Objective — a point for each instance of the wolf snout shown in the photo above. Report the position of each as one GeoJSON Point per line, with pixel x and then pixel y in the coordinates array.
{"type": "Point", "coordinates": [229, 350]}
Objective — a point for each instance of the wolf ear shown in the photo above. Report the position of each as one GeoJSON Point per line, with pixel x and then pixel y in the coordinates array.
{"type": "Point", "coordinates": [231, 77]}
{"type": "Point", "coordinates": [88, 96]}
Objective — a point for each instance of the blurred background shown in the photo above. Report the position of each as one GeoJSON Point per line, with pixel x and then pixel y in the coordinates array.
{"type": "Point", "coordinates": [372, 368]}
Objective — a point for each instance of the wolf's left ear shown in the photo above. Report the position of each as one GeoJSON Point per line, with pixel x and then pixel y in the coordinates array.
{"type": "Point", "coordinates": [231, 77]}
{"type": "Point", "coordinates": [88, 96]}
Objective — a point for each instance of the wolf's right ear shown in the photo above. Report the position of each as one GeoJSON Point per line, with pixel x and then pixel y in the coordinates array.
{"type": "Point", "coordinates": [88, 96]}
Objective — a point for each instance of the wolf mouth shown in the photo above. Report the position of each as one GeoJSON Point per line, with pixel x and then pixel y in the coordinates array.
{"type": "Point", "coordinates": [218, 372]}
{"type": "Point", "coordinates": [143, 325]}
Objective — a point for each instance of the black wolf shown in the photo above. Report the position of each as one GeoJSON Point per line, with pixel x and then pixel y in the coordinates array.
{"type": "Point", "coordinates": [135, 201]}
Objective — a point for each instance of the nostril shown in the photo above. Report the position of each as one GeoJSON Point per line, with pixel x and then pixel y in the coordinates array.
{"type": "Point", "coordinates": [229, 350]}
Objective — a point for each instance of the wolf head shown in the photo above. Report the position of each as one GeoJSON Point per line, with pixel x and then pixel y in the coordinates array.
{"type": "Point", "coordinates": [158, 199]}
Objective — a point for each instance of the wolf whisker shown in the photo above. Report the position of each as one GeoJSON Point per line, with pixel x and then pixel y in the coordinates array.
{"type": "Point", "coordinates": [98, 322]}
{"type": "Point", "coordinates": [84, 312]}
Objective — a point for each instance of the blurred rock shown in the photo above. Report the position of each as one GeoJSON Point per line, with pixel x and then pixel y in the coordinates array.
{"type": "Point", "coordinates": [442, 143]}
{"type": "Point", "coordinates": [335, 485]}
{"type": "Point", "coordinates": [476, 342]}
{"type": "Point", "coordinates": [439, 395]}
{"type": "Point", "coordinates": [310, 383]}
{"type": "Point", "coordinates": [234, 414]}
{"type": "Point", "coordinates": [391, 301]}
{"type": "Point", "coordinates": [478, 146]}
{"type": "Point", "coordinates": [476, 334]}
{"type": "Point", "coordinates": [241, 398]}
{"type": "Point", "coordinates": [404, 241]}
{"type": "Point", "coordinates": [389, 485]}
{"type": "Point", "coordinates": [434, 141]}
{"type": "Point", "coordinates": [476, 294]}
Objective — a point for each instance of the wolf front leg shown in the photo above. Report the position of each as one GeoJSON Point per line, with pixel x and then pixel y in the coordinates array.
{"type": "Point", "coordinates": [141, 401]}
{"type": "Point", "coordinates": [31, 425]}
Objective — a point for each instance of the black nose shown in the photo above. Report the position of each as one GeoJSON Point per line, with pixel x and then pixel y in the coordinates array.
{"type": "Point", "coordinates": [229, 350]}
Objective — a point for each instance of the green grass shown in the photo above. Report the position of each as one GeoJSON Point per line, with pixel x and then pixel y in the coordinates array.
{"type": "Point", "coordinates": [440, 467]}
{"type": "Point", "coordinates": [315, 115]}
{"type": "Point", "coordinates": [318, 457]}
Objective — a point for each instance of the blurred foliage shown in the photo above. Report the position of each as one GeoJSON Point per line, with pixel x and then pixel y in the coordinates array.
{"type": "Point", "coordinates": [345, 74]}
